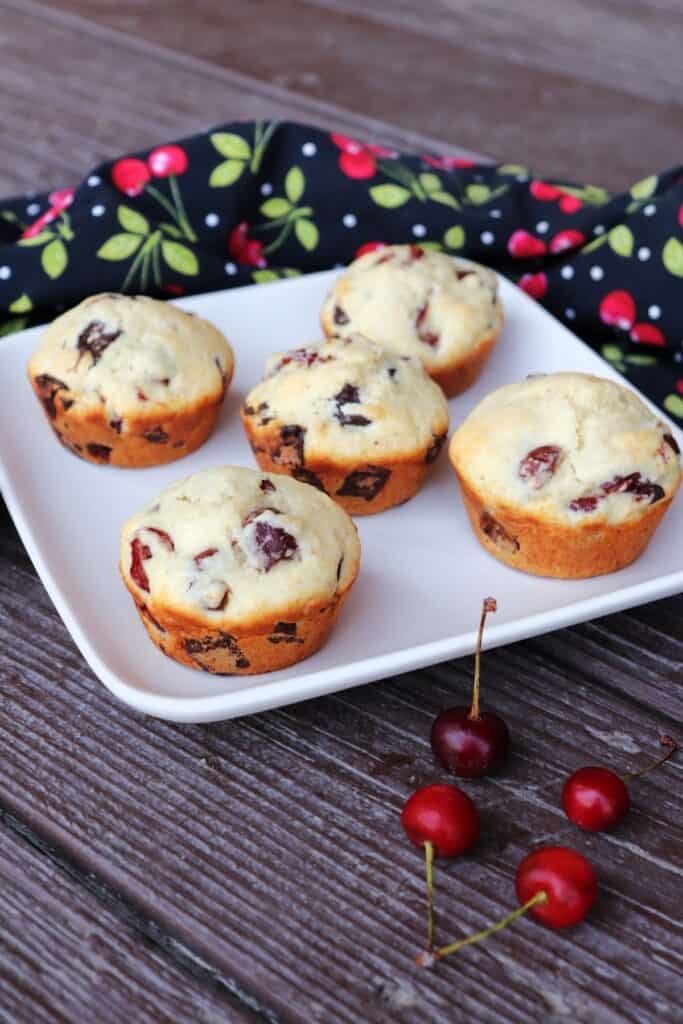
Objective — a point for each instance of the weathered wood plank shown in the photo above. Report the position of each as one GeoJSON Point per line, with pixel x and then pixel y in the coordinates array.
{"type": "Point", "coordinates": [65, 956]}
{"type": "Point", "coordinates": [271, 845]}
{"type": "Point", "coordinates": [74, 94]}
{"type": "Point", "coordinates": [578, 92]}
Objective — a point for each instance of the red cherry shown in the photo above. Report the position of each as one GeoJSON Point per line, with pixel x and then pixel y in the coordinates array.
{"type": "Point", "coordinates": [535, 285]}
{"type": "Point", "coordinates": [554, 884]}
{"type": "Point", "coordinates": [346, 144]}
{"type": "Point", "coordinates": [523, 246]}
{"type": "Point", "coordinates": [680, 215]}
{"type": "Point", "coordinates": [237, 239]}
{"type": "Point", "coordinates": [167, 160]}
{"type": "Point", "coordinates": [465, 741]}
{"type": "Point", "coordinates": [130, 176]}
{"type": "Point", "coordinates": [565, 877]}
{"type": "Point", "coordinates": [618, 309]}
{"type": "Point", "coordinates": [252, 254]}
{"type": "Point", "coordinates": [369, 247]}
{"type": "Point", "coordinates": [61, 199]}
{"type": "Point", "coordinates": [569, 239]}
{"type": "Point", "coordinates": [544, 191]}
{"type": "Point", "coordinates": [679, 387]}
{"type": "Point", "coordinates": [647, 334]}
{"type": "Point", "coordinates": [448, 163]}
{"type": "Point", "coordinates": [173, 289]}
{"type": "Point", "coordinates": [441, 815]}
{"type": "Point", "coordinates": [597, 799]}
{"type": "Point", "coordinates": [570, 204]}
{"type": "Point", "coordinates": [359, 165]}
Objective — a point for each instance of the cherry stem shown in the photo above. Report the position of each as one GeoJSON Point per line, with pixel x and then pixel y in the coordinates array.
{"type": "Point", "coordinates": [429, 865]}
{"type": "Point", "coordinates": [428, 959]}
{"type": "Point", "coordinates": [489, 605]}
{"type": "Point", "coordinates": [666, 741]}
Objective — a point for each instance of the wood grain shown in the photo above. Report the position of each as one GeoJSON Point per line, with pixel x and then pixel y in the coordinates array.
{"type": "Point", "coordinates": [271, 845]}
{"type": "Point", "coordinates": [579, 91]}
{"type": "Point", "coordinates": [67, 957]}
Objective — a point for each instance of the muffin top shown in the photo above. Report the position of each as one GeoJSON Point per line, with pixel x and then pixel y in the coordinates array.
{"type": "Point", "coordinates": [134, 355]}
{"type": "Point", "coordinates": [231, 546]}
{"type": "Point", "coordinates": [568, 447]}
{"type": "Point", "coordinates": [353, 400]}
{"type": "Point", "coordinates": [416, 302]}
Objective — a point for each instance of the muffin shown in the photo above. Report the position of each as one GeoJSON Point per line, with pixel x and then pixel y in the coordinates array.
{"type": "Point", "coordinates": [565, 475]}
{"type": "Point", "coordinates": [420, 303]}
{"type": "Point", "coordinates": [358, 422]}
{"type": "Point", "coordinates": [130, 381]}
{"type": "Point", "coordinates": [235, 572]}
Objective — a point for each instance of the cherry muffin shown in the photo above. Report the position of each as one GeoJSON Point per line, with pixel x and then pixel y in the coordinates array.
{"type": "Point", "coordinates": [565, 474]}
{"type": "Point", "coordinates": [131, 381]}
{"type": "Point", "coordinates": [420, 303]}
{"type": "Point", "coordinates": [235, 571]}
{"type": "Point", "coordinates": [358, 422]}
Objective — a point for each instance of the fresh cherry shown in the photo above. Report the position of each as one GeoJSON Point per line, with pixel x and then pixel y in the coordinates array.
{"type": "Point", "coordinates": [555, 885]}
{"type": "Point", "coordinates": [466, 741]}
{"type": "Point", "coordinates": [442, 815]}
{"type": "Point", "coordinates": [597, 799]}
{"type": "Point", "coordinates": [444, 820]}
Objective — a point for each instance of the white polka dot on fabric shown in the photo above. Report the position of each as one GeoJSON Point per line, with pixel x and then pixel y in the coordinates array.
{"type": "Point", "coordinates": [32, 209]}
{"type": "Point", "coordinates": [599, 229]}
{"type": "Point", "coordinates": [349, 220]}
{"type": "Point", "coordinates": [487, 237]}
{"type": "Point", "coordinates": [211, 220]}
{"type": "Point", "coordinates": [266, 188]}
{"type": "Point", "coordinates": [570, 313]}
{"type": "Point", "coordinates": [644, 253]}
{"type": "Point", "coordinates": [94, 180]}
{"type": "Point", "coordinates": [649, 209]}
{"type": "Point", "coordinates": [522, 177]}
{"type": "Point", "coordinates": [654, 312]}
{"type": "Point", "coordinates": [567, 273]}
{"type": "Point", "coordinates": [496, 214]}
{"type": "Point", "coordinates": [678, 357]}
{"type": "Point", "coordinates": [97, 210]}
{"type": "Point", "coordinates": [597, 273]}
{"type": "Point", "coordinates": [5, 273]}
{"type": "Point", "coordinates": [230, 268]}
{"type": "Point", "coordinates": [309, 149]}
{"type": "Point", "coordinates": [419, 230]}
{"type": "Point", "coordinates": [542, 227]}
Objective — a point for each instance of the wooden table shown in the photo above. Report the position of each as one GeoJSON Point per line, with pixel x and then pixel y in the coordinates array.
{"type": "Point", "coordinates": [255, 870]}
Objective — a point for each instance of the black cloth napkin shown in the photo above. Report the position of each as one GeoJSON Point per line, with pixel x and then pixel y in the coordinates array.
{"type": "Point", "coordinates": [253, 202]}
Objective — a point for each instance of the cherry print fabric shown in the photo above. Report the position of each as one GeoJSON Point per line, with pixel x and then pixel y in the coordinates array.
{"type": "Point", "coordinates": [254, 202]}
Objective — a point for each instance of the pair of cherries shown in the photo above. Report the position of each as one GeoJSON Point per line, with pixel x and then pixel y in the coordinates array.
{"type": "Point", "coordinates": [554, 884]}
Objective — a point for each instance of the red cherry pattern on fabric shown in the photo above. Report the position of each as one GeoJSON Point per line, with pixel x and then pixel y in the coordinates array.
{"type": "Point", "coordinates": [535, 285]}
{"type": "Point", "coordinates": [59, 201]}
{"type": "Point", "coordinates": [618, 309]}
{"type": "Point", "coordinates": [448, 163]}
{"type": "Point", "coordinates": [569, 239]}
{"type": "Point", "coordinates": [165, 160]}
{"type": "Point", "coordinates": [570, 204]}
{"type": "Point", "coordinates": [130, 176]}
{"type": "Point", "coordinates": [544, 192]}
{"type": "Point", "coordinates": [368, 247]}
{"type": "Point", "coordinates": [243, 249]}
{"type": "Point", "coordinates": [647, 334]}
{"type": "Point", "coordinates": [523, 245]}
{"type": "Point", "coordinates": [357, 159]}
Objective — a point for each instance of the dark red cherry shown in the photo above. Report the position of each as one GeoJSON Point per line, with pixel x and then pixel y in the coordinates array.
{"type": "Point", "coordinates": [466, 741]}
{"type": "Point", "coordinates": [596, 799]}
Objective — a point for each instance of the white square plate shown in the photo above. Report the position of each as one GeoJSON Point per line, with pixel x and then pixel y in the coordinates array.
{"type": "Point", "coordinates": [423, 574]}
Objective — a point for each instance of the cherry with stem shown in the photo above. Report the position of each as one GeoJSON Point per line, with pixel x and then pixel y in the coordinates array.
{"type": "Point", "coordinates": [596, 798]}
{"type": "Point", "coordinates": [554, 884]}
{"type": "Point", "coordinates": [466, 741]}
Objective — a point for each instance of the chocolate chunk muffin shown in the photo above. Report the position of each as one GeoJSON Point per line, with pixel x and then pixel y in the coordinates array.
{"type": "Point", "coordinates": [565, 474]}
{"type": "Point", "coordinates": [235, 572]}
{"type": "Point", "coordinates": [444, 311]}
{"type": "Point", "coordinates": [130, 381]}
{"type": "Point", "coordinates": [358, 422]}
